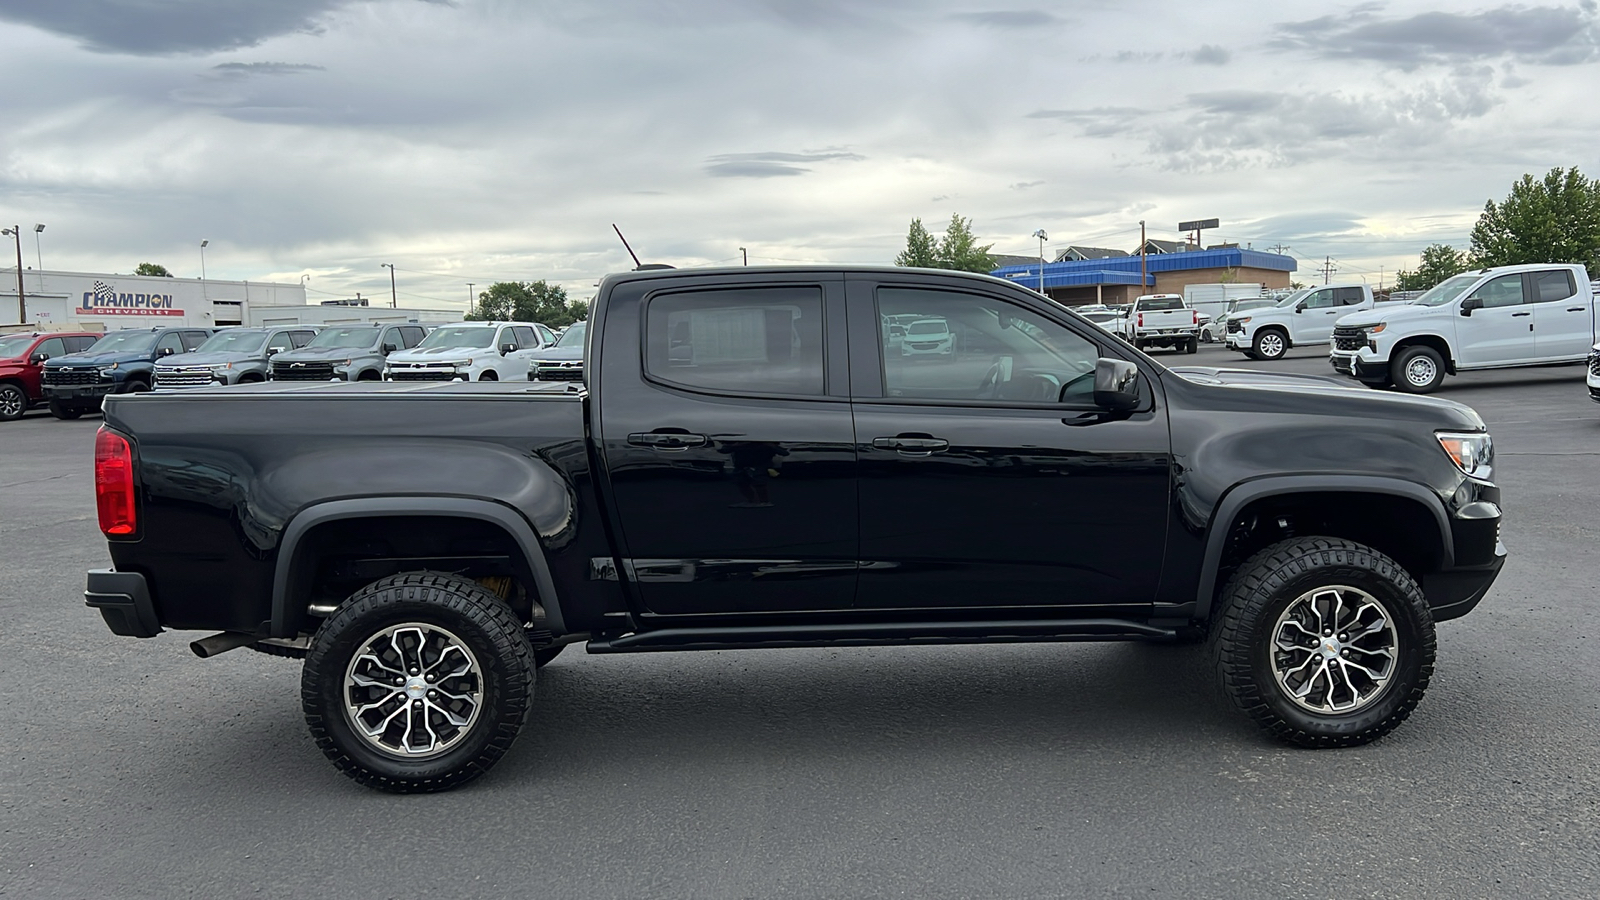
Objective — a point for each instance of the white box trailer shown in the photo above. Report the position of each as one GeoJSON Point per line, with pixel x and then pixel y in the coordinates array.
{"type": "Point", "coordinates": [1212, 299]}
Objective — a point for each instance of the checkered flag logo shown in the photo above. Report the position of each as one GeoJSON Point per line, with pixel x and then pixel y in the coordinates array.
{"type": "Point", "coordinates": [104, 294]}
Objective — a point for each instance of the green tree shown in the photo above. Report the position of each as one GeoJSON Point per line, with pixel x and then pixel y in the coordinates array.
{"type": "Point", "coordinates": [1553, 220]}
{"type": "Point", "coordinates": [1439, 261]}
{"type": "Point", "coordinates": [921, 249]}
{"type": "Point", "coordinates": [959, 250]}
{"type": "Point", "coordinates": [520, 301]}
{"type": "Point", "coordinates": [155, 269]}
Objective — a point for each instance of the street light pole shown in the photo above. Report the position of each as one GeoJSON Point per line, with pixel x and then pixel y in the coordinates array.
{"type": "Point", "coordinates": [38, 255]}
{"type": "Point", "coordinates": [394, 296]}
{"type": "Point", "coordinates": [744, 255]}
{"type": "Point", "coordinates": [1042, 238]}
{"type": "Point", "coordinates": [471, 298]}
{"type": "Point", "coordinates": [22, 301]}
{"type": "Point", "coordinates": [203, 259]}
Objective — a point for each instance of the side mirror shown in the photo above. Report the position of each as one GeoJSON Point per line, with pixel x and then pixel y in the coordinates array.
{"type": "Point", "coordinates": [1116, 384]}
{"type": "Point", "coordinates": [165, 351]}
{"type": "Point", "coordinates": [38, 358]}
{"type": "Point", "coordinates": [389, 348]}
{"type": "Point", "coordinates": [273, 351]}
{"type": "Point", "coordinates": [1470, 304]}
{"type": "Point", "coordinates": [507, 348]}
{"type": "Point", "coordinates": [1300, 307]}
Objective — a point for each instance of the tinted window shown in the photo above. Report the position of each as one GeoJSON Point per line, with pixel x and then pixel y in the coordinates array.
{"type": "Point", "coordinates": [1161, 303]}
{"type": "Point", "coordinates": [78, 344]}
{"type": "Point", "coordinates": [169, 342]}
{"type": "Point", "coordinates": [527, 338]}
{"type": "Point", "coordinates": [193, 339]}
{"type": "Point", "coordinates": [1320, 299]}
{"type": "Point", "coordinates": [1349, 296]}
{"type": "Point", "coordinates": [994, 351]}
{"type": "Point", "coordinates": [1550, 286]}
{"type": "Point", "coordinates": [1503, 291]}
{"type": "Point", "coordinates": [758, 340]}
{"type": "Point", "coordinates": [393, 337]}
{"type": "Point", "coordinates": [412, 335]}
{"type": "Point", "coordinates": [280, 341]}
{"type": "Point", "coordinates": [52, 348]}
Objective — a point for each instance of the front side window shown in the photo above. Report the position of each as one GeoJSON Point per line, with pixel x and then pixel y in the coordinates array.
{"type": "Point", "coordinates": [52, 348]}
{"type": "Point", "coordinates": [753, 340]}
{"type": "Point", "coordinates": [280, 341]}
{"type": "Point", "coordinates": [1551, 286]}
{"type": "Point", "coordinates": [988, 350]}
{"type": "Point", "coordinates": [1503, 291]}
{"type": "Point", "coordinates": [193, 339]}
{"type": "Point", "coordinates": [169, 344]}
{"type": "Point", "coordinates": [1320, 299]}
{"type": "Point", "coordinates": [301, 338]}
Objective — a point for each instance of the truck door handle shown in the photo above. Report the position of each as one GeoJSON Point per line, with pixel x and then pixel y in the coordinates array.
{"type": "Point", "coordinates": [667, 440]}
{"type": "Point", "coordinates": [916, 445]}
{"type": "Point", "coordinates": [1517, 315]}
{"type": "Point", "coordinates": [1575, 309]}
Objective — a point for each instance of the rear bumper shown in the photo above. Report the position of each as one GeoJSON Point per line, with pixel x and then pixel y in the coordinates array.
{"type": "Point", "coordinates": [123, 599]}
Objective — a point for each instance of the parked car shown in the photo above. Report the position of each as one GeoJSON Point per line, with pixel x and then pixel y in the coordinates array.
{"type": "Point", "coordinates": [1162, 320]}
{"type": "Point", "coordinates": [345, 353]}
{"type": "Point", "coordinates": [564, 361]}
{"type": "Point", "coordinates": [121, 362]}
{"type": "Point", "coordinates": [1499, 318]}
{"type": "Point", "coordinates": [778, 482]}
{"type": "Point", "coordinates": [471, 351]}
{"type": "Point", "coordinates": [1300, 320]}
{"type": "Point", "coordinates": [928, 336]}
{"type": "Point", "coordinates": [1214, 332]}
{"type": "Point", "coordinates": [1107, 319]}
{"type": "Point", "coordinates": [232, 356]}
{"type": "Point", "coordinates": [22, 358]}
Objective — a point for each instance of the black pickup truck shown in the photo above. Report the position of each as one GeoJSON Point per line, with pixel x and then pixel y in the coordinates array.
{"type": "Point", "coordinates": [750, 461]}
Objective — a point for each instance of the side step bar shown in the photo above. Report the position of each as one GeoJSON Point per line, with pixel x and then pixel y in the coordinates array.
{"type": "Point", "coordinates": [886, 633]}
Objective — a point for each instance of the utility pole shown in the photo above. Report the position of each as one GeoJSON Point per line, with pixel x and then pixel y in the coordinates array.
{"type": "Point", "coordinates": [1141, 256]}
{"type": "Point", "coordinates": [1280, 249]}
{"type": "Point", "coordinates": [15, 231]}
{"type": "Point", "coordinates": [394, 296]}
{"type": "Point", "coordinates": [1328, 268]}
{"type": "Point", "coordinates": [1042, 238]}
{"type": "Point", "coordinates": [472, 298]}
{"type": "Point", "coordinates": [745, 255]}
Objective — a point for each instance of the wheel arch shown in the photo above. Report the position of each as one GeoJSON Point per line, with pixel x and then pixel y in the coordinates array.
{"type": "Point", "coordinates": [1409, 500]}
{"type": "Point", "coordinates": [296, 561]}
{"type": "Point", "coordinates": [1434, 342]}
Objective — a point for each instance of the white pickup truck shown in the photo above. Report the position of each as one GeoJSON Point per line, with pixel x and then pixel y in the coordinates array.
{"type": "Point", "coordinates": [1162, 320]}
{"type": "Point", "coordinates": [1301, 319]}
{"type": "Point", "coordinates": [1501, 318]}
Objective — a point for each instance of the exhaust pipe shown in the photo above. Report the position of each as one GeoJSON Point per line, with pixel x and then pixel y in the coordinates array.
{"type": "Point", "coordinates": [221, 642]}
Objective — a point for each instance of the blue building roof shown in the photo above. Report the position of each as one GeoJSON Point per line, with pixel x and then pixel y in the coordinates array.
{"type": "Point", "coordinates": [1125, 269]}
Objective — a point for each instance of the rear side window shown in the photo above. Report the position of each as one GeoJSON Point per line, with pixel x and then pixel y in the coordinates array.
{"type": "Point", "coordinates": [79, 344]}
{"type": "Point", "coordinates": [751, 340]}
{"type": "Point", "coordinates": [1552, 286]}
{"type": "Point", "coordinates": [1348, 296]}
{"type": "Point", "coordinates": [527, 338]}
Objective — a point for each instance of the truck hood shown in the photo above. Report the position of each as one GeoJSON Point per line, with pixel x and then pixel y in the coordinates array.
{"type": "Point", "coordinates": [1335, 396]}
{"type": "Point", "coordinates": [323, 353]}
{"type": "Point", "coordinates": [214, 358]}
{"type": "Point", "coordinates": [1219, 375]}
{"type": "Point", "coordinates": [74, 360]}
{"type": "Point", "coordinates": [441, 354]}
{"type": "Point", "coordinates": [1402, 312]}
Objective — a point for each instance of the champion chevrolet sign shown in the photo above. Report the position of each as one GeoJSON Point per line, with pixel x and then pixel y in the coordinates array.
{"type": "Point", "coordinates": [105, 301]}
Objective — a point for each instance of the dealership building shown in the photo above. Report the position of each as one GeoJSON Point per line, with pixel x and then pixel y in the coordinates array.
{"type": "Point", "coordinates": [102, 302]}
{"type": "Point", "coordinates": [1080, 278]}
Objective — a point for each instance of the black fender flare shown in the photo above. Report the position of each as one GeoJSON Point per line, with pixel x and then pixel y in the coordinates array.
{"type": "Point", "coordinates": [1241, 495]}
{"type": "Point", "coordinates": [499, 514]}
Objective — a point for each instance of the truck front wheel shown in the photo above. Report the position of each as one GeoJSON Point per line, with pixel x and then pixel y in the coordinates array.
{"type": "Point", "coordinates": [63, 411]}
{"type": "Point", "coordinates": [1270, 343]}
{"type": "Point", "coordinates": [13, 401]}
{"type": "Point", "coordinates": [1417, 370]}
{"type": "Point", "coordinates": [419, 682]}
{"type": "Point", "coordinates": [1323, 642]}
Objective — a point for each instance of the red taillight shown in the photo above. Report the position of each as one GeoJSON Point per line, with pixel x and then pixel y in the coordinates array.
{"type": "Point", "coordinates": [1141, 320]}
{"type": "Point", "coordinates": [1195, 316]}
{"type": "Point", "coordinates": [113, 483]}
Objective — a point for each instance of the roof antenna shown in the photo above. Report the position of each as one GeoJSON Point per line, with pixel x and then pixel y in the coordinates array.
{"type": "Point", "coordinates": [636, 263]}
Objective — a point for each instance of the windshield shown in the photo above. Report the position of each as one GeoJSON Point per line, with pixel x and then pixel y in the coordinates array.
{"type": "Point", "coordinates": [354, 336]}
{"type": "Point", "coordinates": [235, 341]}
{"type": "Point", "coordinates": [1446, 290]}
{"type": "Point", "coordinates": [15, 346]}
{"type": "Point", "coordinates": [573, 337]}
{"type": "Point", "coordinates": [1294, 298]}
{"type": "Point", "coordinates": [1160, 303]}
{"type": "Point", "coordinates": [125, 342]}
{"type": "Point", "coordinates": [465, 337]}
{"type": "Point", "coordinates": [928, 327]}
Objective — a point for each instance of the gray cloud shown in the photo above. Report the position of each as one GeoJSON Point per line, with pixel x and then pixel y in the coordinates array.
{"type": "Point", "coordinates": [771, 164]}
{"type": "Point", "coordinates": [1211, 55]}
{"type": "Point", "coordinates": [1099, 121]}
{"type": "Point", "coordinates": [1024, 185]}
{"type": "Point", "coordinates": [1547, 35]}
{"type": "Point", "coordinates": [162, 27]}
{"type": "Point", "coordinates": [236, 71]}
{"type": "Point", "coordinates": [1008, 18]}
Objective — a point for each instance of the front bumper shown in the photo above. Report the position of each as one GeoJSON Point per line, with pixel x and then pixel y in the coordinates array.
{"type": "Point", "coordinates": [1352, 363]}
{"type": "Point", "coordinates": [78, 394]}
{"type": "Point", "coordinates": [123, 599]}
{"type": "Point", "coordinates": [1593, 377]}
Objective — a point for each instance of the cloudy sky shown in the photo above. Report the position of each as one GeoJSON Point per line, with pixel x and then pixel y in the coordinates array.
{"type": "Point", "coordinates": [484, 140]}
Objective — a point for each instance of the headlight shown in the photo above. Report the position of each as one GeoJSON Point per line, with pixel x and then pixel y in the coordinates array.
{"type": "Point", "coordinates": [342, 363]}
{"type": "Point", "coordinates": [1472, 452]}
{"type": "Point", "coordinates": [1374, 329]}
{"type": "Point", "coordinates": [222, 368]}
{"type": "Point", "coordinates": [1241, 320]}
{"type": "Point", "coordinates": [109, 371]}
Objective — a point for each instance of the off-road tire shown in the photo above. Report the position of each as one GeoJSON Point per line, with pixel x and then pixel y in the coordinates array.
{"type": "Point", "coordinates": [1424, 358]}
{"type": "Point", "coordinates": [1240, 644]}
{"type": "Point", "coordinates": [543, 655]}
{"type": "Point", "coordinates": [64, 412]}
{"type": "Point", "coordinates": [13, 402]}
{"type": "Point", "coordinates": [470, 612]}
{"type": "Point", "coordinates": [1269, 344]}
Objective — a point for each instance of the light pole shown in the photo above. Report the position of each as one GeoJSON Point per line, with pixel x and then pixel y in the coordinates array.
{"type": "Point", "coordinates": [38, 255]}
{"type": "Point", "coordinates": [22, 302]}
{"type": "Point", "coordinates": [745, 256]}
{"type": "Point", "coordinates": [1042, 238]}
{"type": "Point", "coordinates": [203, 259]}
{"type": "Point", "coordinates": [394, 296]}
{"type": "Point", "coordinates": [471, 298]}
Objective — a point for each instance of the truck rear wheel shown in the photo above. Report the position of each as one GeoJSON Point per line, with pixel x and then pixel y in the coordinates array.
{"type": "Point", "coordinates": [1323, 642]}
{"type": "Point", "coordinates": [1193, 346]}
{"type": "Point", "coordinates": [1417, 370]}
{"type": "Point", "coordinates": [1270, 343]}
{"type": "Point", "coordinates": [419, 682]}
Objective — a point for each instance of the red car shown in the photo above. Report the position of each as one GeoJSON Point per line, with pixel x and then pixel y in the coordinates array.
{"type": "Point", "coordinates": [21, 356]}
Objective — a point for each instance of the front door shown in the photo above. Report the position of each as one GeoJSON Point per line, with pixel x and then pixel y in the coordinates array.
{"type": "Point", "coordinates": [1499, 331]}
{"type": "Point", "coordinates": [1563, 321]}
{"type": "Point", "coordinates": [989, 480]}
{"type": "Point", "coordinates": [732, 460]}
{"type": "Point", "coordinates": [1313, 321]}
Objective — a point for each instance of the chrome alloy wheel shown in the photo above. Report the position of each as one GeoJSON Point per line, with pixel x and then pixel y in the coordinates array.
{"type": "Point", "coordinates": [1334, 650]}
{"type": "Point", "coordinates": [413, 690]}
{"type": "Point", "coordinates": [1271, 345]}
{"type": "Point", "coordinates": [1421, 371]}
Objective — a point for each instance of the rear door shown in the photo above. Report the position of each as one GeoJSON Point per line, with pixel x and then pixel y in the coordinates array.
{"type": "Point", "coordinates": [1563, 322]}
{"type": "Point", "coordinates": [989, 479]}
{"type": "Point", "coordinates": [724, 420]}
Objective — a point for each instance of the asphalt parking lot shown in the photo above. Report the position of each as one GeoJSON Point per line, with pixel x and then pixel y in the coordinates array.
{"type": "Point", "coordinates": [132, 769]}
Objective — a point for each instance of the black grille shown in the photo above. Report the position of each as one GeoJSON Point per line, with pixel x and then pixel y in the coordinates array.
{"type": "Point", "coordinates": [1235, 327]}
{"type": "Point", "coordinates": [1594, 364]}
{"type": "Point", "coordinates": [1347, 338]}
{"type": "Point", "coordinates": [555, 373]}
{"type": "Point", "coordinates": [72, 376]}
{"type": "Point", "coordinates": [1341, 364]}
{"type": "Point", "coordinates": [302, 371]}
{"type": "Point", "coordinates": [422, 375]}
